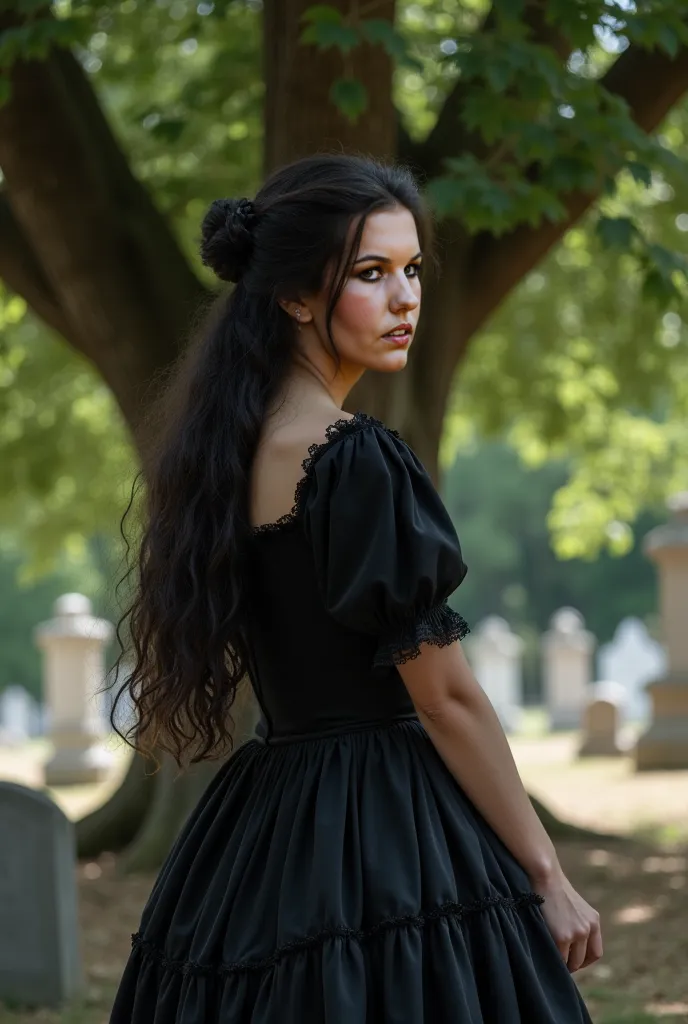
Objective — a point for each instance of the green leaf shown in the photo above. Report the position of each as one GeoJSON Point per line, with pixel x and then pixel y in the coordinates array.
{"type": "Point", "coordinates": [616, 232]}
{"type": "Point", "coordinates": [382, 33]}
{"type": "Point", "coordinates": [657, 288]}
{"type": "Point", "coordinates": [445, 195]}
{"type": "Point", "coordinates": [499, 74]}
{"type": "Point", "coordinates": [322, 14]}
{"type": "Point", "coordinates": [350, 96]}
{"type": "Point", "coordinates": [169, 130]}
{"type": "Point", "coordinates": [666, 260]}
{"type": "Point", "coordinates": [640, 172]}
{"type": "Point", "coordinates": [511, 9]}
{"type": "Point", "coordinates": [668, 40]}
{"type": "Point", "coordinates": [327, 34]}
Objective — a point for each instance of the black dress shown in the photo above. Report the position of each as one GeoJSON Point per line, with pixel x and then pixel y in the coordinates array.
{"type": "Point", "coordinates": [334, 872]}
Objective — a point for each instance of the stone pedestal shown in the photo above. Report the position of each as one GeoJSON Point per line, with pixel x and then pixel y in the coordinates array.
{"type": "Point", "coordinates": [495, 656]}
{"type": "Point", "coordinates": [567, 649]}
{"type": "Point", "coordinates": [665, 743]}
{"type": "Point", "coordinates": [73, 646]}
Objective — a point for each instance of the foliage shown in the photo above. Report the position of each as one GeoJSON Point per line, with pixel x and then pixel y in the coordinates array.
{"type": "Point", "coordinates": [578, 363]}
{"type": "Point", "coordinates": [531, 127]}
{"type": "Point", "coordinates": [500, 505]}
{"type": "Point", "coordinates": [590, 349]}
{"type": "Point", "coordinates": [66, 461]}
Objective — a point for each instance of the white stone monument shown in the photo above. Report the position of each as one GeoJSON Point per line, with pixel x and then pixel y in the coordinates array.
{"type": "Point", "coordinates": [17, 715]}
{"type": "Point", "coordinates": [633, 659]}
{"type": "Point", "coordinates": [73, 645]}
{"type": "Point", "coordinates": [495, 655]}
{"type": "Point", "coordinates": [567, 649]}
{"type": "Point", "coordinates": [665, 743]}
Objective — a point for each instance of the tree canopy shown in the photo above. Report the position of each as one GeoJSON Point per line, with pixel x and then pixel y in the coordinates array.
{"type": "Point", "coordinates": [513, 113]}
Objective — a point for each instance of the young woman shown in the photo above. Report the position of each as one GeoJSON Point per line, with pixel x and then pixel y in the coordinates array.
{"type": "Point", "coordinates": [371, 855]}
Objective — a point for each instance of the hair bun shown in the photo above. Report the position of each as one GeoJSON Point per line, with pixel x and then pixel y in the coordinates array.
{"type": "Point", "coordinates": [227, 238]}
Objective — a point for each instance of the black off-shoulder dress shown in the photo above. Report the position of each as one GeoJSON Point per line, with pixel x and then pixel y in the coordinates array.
{"type": "Point", "coordinates": [334, 872]}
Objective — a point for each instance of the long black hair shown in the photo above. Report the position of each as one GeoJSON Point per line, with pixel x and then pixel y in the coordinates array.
{"type": "Point", "coordinates": [187, 651]}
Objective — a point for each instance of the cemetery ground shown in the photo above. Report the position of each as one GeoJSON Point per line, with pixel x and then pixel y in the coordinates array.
{"type": "Point", "coordinates": [639, 883]}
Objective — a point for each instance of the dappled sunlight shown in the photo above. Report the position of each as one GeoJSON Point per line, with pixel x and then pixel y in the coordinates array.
{"type": "Point", "coordinates": [667, 864]}
{"type": "Point", "coordinates": [635, 914]}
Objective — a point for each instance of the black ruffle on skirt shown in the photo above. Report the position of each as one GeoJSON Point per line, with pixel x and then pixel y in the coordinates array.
{"type": "Point", "coordinates": [343, 880]}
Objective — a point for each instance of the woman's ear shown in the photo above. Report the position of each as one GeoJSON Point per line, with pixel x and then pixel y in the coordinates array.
{"type": "Point", "coordinates": [297, 310]}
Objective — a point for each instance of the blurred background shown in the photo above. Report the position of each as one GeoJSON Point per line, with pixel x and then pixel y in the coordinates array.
{"type": "Point", "coordinates": [547, 393]}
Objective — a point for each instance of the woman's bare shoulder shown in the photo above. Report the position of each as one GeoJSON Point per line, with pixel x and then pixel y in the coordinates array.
{"type": "Point", "coordinates": [300, 430]}
{"type": "Point", "coordinates": [285, 443]}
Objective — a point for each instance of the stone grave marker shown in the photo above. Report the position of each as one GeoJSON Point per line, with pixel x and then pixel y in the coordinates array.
{"type": "Point", "coordinates": [495, 655]}
{"type": "Point", "coordinates": [39, 955]}
{"type": "Point", "coordinates": [15, 715]}
{"type": "Point", "coordinates": [602, 719]}
{"type": "Point", "coordinates": [633, 659]}
{"type": "Point", "coordinates": [567, 649]}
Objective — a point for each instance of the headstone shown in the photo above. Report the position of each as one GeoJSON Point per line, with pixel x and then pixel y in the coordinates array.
{"type": "Point", "coordinates": [632, 658]}
{"type": "Point", "coordinates": [39, 955]}
{"type": "Point", "coordinates": [567, 649]}
{"type": "Point", "coordinates": [17, 715]}
{"type": "Point", "coordinates": [665, 743]}
{"type": "Point", "coordinates": [602, 721]}
{"type": "Point", "coordinates": [495, 656]}
{"type": "Point", "coordinates": [73, 645]}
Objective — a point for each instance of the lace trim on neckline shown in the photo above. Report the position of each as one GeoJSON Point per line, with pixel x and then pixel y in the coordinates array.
{"type": "Point", "coordinates": [334, 432]}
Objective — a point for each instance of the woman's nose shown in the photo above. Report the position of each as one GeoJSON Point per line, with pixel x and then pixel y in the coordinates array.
{"type": "Point", "coordinates": [404, 296]}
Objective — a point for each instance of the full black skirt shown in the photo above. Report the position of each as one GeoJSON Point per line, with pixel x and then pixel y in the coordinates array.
{"type": "Point", "coordinates": [343, 880]}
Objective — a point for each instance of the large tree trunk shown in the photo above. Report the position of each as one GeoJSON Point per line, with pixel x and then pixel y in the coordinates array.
{"type": "Point", "coordinates": [299, 117]}
{"type": "Point", "coordinates": [82, 242]}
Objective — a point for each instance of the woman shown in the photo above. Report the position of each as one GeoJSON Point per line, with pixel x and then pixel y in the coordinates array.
{"type": "Point", "coordinates": [371, 855]}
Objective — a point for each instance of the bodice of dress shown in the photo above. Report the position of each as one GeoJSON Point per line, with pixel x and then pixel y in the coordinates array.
{"type": "Point", "coordinates": [348, 585]}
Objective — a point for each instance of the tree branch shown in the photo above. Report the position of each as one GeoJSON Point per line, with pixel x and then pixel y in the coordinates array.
{"type": "Point", "coordinates": [22, 272]}
{"type": "Point", "coordinates": [449, 135]}
{"type": "Point", "coordinates": [124, 287]}
{"type": "Point", "coordinates": [651, 83]}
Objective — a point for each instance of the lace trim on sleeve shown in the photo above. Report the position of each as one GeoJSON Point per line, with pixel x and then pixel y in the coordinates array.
{"type": "Point", "coordinates": [439, 626]}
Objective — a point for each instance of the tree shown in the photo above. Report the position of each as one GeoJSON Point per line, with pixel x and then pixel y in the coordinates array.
{"type": "Point", "coordinates": [523, 140]}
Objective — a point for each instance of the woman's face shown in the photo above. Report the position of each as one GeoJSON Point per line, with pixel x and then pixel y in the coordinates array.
{"type": "Point", "coordinates": [381, 295]}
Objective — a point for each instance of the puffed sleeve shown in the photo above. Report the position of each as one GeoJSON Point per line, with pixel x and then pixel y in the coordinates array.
{"type": "Point", "coordinates": [386, 552]}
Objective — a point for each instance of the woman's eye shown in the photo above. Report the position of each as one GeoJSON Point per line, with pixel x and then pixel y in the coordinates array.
{"type": "Point", "coordinates": [415, 269]}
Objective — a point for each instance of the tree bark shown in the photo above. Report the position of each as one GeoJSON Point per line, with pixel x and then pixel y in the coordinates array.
{"type": "Point", "coordinates": [114, 826]}
{"type": "Point", "coordinates": [299, 117]}
{"type": "Point", "coordinates": [97, 260]}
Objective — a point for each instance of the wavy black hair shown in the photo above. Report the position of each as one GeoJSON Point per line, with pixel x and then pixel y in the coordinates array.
{"type": "Point", "coordinates": [186, 651]}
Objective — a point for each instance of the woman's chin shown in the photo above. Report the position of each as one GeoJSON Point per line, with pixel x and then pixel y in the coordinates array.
{"type": "Point", "coordinates": [392, 361]}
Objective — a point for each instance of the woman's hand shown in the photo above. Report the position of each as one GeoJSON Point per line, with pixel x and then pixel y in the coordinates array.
{"type": "Point", "coordinates": [574, 924]}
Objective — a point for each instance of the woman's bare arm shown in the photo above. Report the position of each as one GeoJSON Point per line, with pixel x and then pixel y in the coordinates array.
{"type": "Point", "coordinates": [467, 734]}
